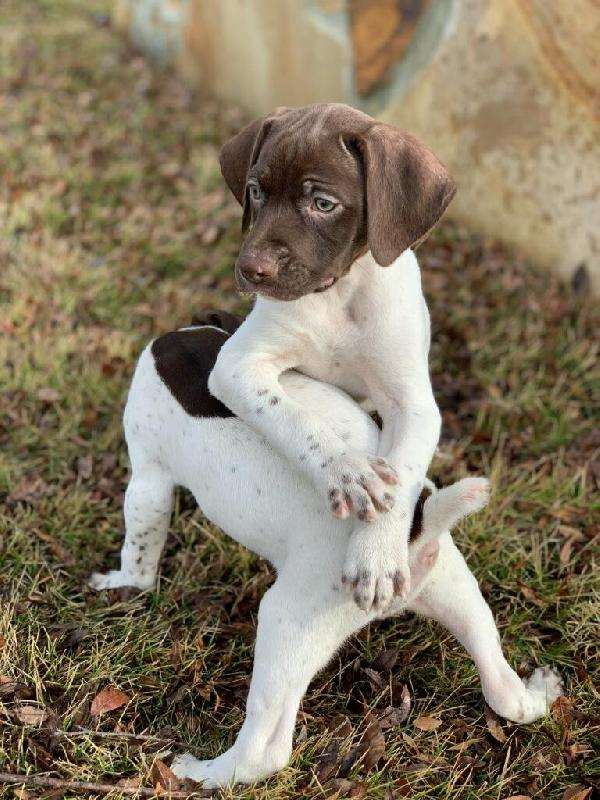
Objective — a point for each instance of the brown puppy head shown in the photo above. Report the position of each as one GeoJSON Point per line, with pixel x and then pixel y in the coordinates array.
{"type": "Point", "coordinates": [320, 186]}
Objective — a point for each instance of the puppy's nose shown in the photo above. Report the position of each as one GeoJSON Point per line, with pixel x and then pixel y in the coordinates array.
{"type": "Point", "coordinates": [257, 268]}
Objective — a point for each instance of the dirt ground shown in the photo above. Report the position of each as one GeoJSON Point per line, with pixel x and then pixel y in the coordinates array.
{"type": "Point", "coordinates": [115, 225]}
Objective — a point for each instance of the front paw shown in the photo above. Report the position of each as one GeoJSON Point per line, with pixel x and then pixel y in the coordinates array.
{"type": "Point", "coordinates": [359, 485]}
{"type": "Point", "coordinates": [376, 569]}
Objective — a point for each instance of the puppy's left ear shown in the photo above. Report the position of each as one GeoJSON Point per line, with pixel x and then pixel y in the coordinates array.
{"type": "Point", "coordinates": [407, 190]}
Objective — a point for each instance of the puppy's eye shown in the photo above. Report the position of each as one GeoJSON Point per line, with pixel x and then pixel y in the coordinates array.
{"type": "Point", "coordinates": [255, 191]}
{"type": "Point", "coordinates": [323, 204]}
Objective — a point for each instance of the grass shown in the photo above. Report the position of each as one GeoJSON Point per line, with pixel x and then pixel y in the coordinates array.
{"type": "Point", "coordinates": [114, 226]}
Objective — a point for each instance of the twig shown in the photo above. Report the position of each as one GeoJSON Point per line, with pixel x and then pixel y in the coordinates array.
{"type": "Point", "coordinates": [96, 788]}
{"type": "Point", "coordinates": [142, 737]}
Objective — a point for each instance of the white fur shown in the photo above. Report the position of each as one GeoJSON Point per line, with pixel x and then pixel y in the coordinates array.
{"type": "Point", "coordinates": [368, 334]}
{"type": "Point", "coordinates": [258, 498]}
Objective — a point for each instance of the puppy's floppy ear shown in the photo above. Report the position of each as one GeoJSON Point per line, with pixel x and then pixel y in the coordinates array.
{"type": "Point", "coordinates": [239, 153]}
{"type": "Point", "coordinates": [407, 190]}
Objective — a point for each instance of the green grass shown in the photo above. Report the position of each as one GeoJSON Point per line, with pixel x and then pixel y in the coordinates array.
{"type": "Point", "coordinates": [108, 190]}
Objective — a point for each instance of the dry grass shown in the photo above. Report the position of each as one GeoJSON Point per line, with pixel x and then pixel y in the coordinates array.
{"type": "Point", "coordinates": [115, 225]}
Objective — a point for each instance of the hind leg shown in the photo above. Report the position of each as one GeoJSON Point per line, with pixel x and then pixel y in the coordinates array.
{"type": "Point", "coordinates": [301, 622]}
{"type": "Point", "coordinates": [453, 599]}
{"type": "Point", "coordinates": [148, 506]}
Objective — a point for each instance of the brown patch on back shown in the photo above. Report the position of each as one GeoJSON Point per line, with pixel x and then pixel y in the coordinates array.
{"type": "Point", "coordinates": [184, 360]}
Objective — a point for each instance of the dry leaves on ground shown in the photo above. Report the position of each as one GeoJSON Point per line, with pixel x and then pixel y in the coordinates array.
{"type": "Point", "coordinates": [427, 723]}
{"type": "Point", "coordinates": [108, 699]}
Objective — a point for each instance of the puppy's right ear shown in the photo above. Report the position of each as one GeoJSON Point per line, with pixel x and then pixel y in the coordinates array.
{"type": "Point", "coordinates": [240, 153]}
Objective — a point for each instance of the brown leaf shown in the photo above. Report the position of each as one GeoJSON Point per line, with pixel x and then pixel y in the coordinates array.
{"type": "Point", "coordinates": [493, 725]}
{"type": "Point", "coordinates": [56, 548]}
{"type": "Point", "coordinates": [396, 716]}
{"type": "Point", "coordinates": [339, 787]}
{"type": "Point", "coordinates": [108, 699]}
{"type": "Point", "coordinates": [31, 715]}
{"type": "Point", "coordinates": [164, 777]}
{"type": "Point", "coordinates": [563, 710]}
{"type": "Point", "coordinates": [571, 533]}
{"type": "Point", "coordinates": [577, 792]}
{"type": "Point", "coordinates": [531, 595]}
{"type": "Point", "coordinates": [387, 659]}
{"type": "Point", "coordinates": [373, 743]}
{"type": "Point", "coordinates": [132, 782]}
{"type": "Point", "coordinates": [427, 723]}
{"type": "Point", "coordinates": [85, 465]}
{"type": "Point", "coordinates": [565, 552]}
{"type": "Point", "coordinates": [327, 762]}
{"type": "Point", "coordinates": [359, 790]}
{"type": "Point", "coordinates": [48, 395]}
{"type": "Point", "coordinates": [519, 797]}
{"type": "Point", "coordinates": [375, 678]}
{"type": "Point", "coordinates": [29, 489]}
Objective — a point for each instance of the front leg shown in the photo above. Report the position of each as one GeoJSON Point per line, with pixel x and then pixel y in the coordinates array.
{"type": "Point", "coordinates": [246, 380]}
{"type": "Point", "coordinates": [376, 567]}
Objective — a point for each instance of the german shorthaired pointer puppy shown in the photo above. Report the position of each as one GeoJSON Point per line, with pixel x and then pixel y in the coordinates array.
{"type": "Point", "coordinates": [179, 434]}
{"type": "Point", "coordinates": [332, 203]}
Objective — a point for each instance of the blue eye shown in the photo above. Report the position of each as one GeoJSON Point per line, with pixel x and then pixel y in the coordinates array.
{"type": "Point", "coordinates": [324, 204]}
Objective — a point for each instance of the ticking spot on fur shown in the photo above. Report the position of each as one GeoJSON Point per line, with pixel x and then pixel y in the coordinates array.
{"type": "Point", "coordinates": [273, 401]}
{"type": "Point", "coordinates": [262, 392]}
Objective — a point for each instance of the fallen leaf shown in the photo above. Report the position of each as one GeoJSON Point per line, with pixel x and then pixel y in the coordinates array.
{"type": "Point", "coordinates": [571, 533]}
{"type": "Point", "coordinates": [427, 723]}
{"type": "Point", "coordinates": [493, 725]}
{"type": "Point", "coordinates": [519, 797]}
{"type": "Point", "coordinates": [531, 595]}
{"type": "Point", "coordinates": [339, 787]}
{"type": "Point", "coordinates": [562, 710]}
{"type": "Point", "coordinates": [577, 792]}
{"type": "Point", "coordinates": [164, 776]}
{"type": "Point", "coordinates": [29, 489]}
{"type": "Point", "coordinates": [209, 232]}
{"type": "Point", "coordinates": [359, 790]}
{"type": "Point", "coordinates": [85, 465]}
{"type": "Point", "coordinates": [31, 715]}
{"type": "Point", "coordinates": [327, 762]}
{"type": "Point", "coordinates": [393, 716]}
{"type": "Point", "coordinates": [565, 552]}
{"type": "Point", "coordinates": [373, 744]}
{"type": "Point", "coordinates": [48, 395]}
{"type": "Point", "coordinates": [56, 548]}
{"type": "Point", "coordinates": [387, 659]}
{"type": "Point", "coordinates": [375, 678]}
{"type": "Point", "coordinates": [108, 699]}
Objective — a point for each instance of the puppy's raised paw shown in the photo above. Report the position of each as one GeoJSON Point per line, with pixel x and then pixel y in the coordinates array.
{"type": "Point", "coordinates": [376, 572]}
{"type": "Point", "coordinates": [358, 485]}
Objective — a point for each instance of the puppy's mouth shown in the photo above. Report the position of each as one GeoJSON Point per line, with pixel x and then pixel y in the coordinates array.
{"type": "Point", "coordinates": [326, 284]}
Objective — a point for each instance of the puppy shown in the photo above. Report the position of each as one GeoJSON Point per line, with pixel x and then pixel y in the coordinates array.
{"type": "Point", "coordinates": [332, 203]}
{"type": "Point", "coordinates": [179, 434]}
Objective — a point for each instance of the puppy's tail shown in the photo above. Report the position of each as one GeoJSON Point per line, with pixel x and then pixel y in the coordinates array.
{"type": "Point", "coordinates": [442, 509]}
